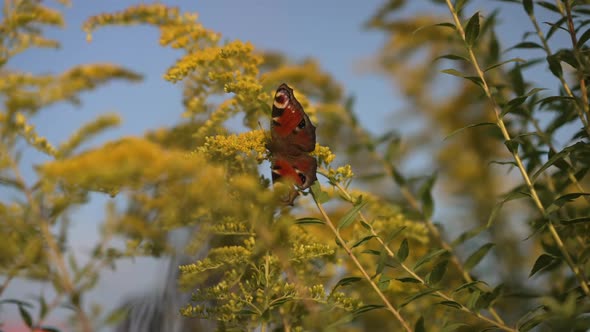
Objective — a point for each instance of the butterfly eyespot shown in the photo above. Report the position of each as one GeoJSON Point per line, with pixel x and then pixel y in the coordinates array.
{"type": "Point", "coordinates": [302, 177]}
{"type": "Point", "coordinates": [281, 99]}
{"type": "Point", "coordinates": [301, 124]}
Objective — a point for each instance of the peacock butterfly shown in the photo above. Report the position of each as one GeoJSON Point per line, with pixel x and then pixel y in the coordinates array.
{"type": "Point", "coordinates": [292, 138]}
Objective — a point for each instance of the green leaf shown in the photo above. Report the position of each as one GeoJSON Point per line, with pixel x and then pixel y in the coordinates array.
{"type": "Point", "coordinates": [472, 30]}
{"type": "Point", "coordinates": [555, 66]}
{"type": "Point", "coordinates": [438, 272]}
{"type": "Point", "coordinates": [511, 196]}
{"type": "Point", "coordinates": [555, 158]}
{"type": "Point", "coordinates": [477, 256]}
{"type": "Point", "coordinates": [549, 6]}
{"type": "Point", "coordinates": [525, 45]}
{"type": "Point", "coordinates": [528, 6]}
{"type": "Point", "coordinates": [512, 145]}
{"type": "Point", "coordinates": [350, 216]}
{"type": "Point", "coordinates": [545, 261]}
{"type": "Point", "coordinates": [25, 315]}
{"type": "Point", "coordinates": [381, 262]}
{"type": "Point", "coordinates": [503, 63]}
{"type": "Point", "coordinates": [425, 194]}
{"type": "Point", "coordinates": [309, 221]}
{"type": "Point", "coordinates": [115, 316]}
{"type": "Point", "coordinates": [428, 257]}
{"type": "Point", "coordinates": [444, 24]}
{"type": "Point", "coordinates": [347, 281]}
{"type": "Point", "coordinates": [397, 176]}
{"type": "Point", "coordinates": [49, 329]}
{"type": "Point", "coordinates": [409, 280]}
{"type": "Point", "coordinates": [403, 251]}
{"type": "Point", "coordinates": [453, 327]}
{"type": "Point", "coordinates": [363, 240]}
{"type": "Point", "coordinates": [568, 222]}
{"type": "Point", "coordinates": [418, 295]}
{"type": "Point", "coordinates": [453, 72]}
{"type": "Point", "coordinates": [419, 326]}
{"type": "Point", "coordinates": [368, 307]}
{"type": "Point", "coordinates": [562, 200]}
{"type": "Point", "coordinates": [549, 100]}
{"type": "Point", "coordinates": [452, 57]}
{"type": "Point", "coordinates": [470, 126]}
{"type": "Point", "coordinates": [451, 304]}
{"type": "Point", "coordinates": [42, 307]}
{"type": "Point", "coordinates": [468, 235]}
{"type": "Point", "coordinates": [470, 285]}
{"type": "Point", "coordinates": [319, 195]}
{"type": "Point", "coordinates": [393, 234]}
{"type": "Point", "coordinates": [459, 4]}
{"type": "Point", "coordinates": [383, 282]}
{"type": "Point", "coordinates": [584, 38]}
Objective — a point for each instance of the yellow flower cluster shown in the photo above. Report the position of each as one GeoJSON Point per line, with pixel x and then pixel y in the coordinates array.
{"type": "Point", "coordinates": [341, 174]}
{"type": "Point", "coordinates": [156, 14]}
{"type": "Point", "coordinates": [27, 131]}
{"type": "Point", "coordinates": [221, 56]}
{"type": "Point", "coordinates": [231, 146]}
{"type": "Point", "coordinates": [324, 154]}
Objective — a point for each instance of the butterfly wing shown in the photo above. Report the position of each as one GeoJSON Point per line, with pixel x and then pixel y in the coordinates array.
{"type": "Point", "coordinates": [290, 125]}
{"type": "Point", "coordinates": [292, 138]}
{"type": "Point", "coordinates": [299, 170]}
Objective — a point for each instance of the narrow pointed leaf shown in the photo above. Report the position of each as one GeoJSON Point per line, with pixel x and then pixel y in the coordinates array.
{"type": "Point", "coordinates": [363, 240]}
{"type": "Point", "coordinates": [503, 63]}
{"type": "Point", "coordinates": [419, 326]}
{"type": "Point", "coordinates": [545, 261]}
{"type": "Point", "coordinates": [351, 215]}
{"type": "Point", "coordinates": [468, 127]}
{"type": "Point", "coordinates": [477, 256]}
{"type": "Point", "coordinates": [367, 308]}
{"type": "Point", "coordinates": [472, 30]}
{"type": "Point", "coordinates": [438, 272]}
{"type": "Point", "coordinates": [528, 6]}
{"type": "Point", "coordinates": [428, 257]}
{"type": "Point", "coordinates": [469, 285]}
{"type": "Point", "coordinates": [452, 57]}
{"type": "Point", "coordinates": [418, 295]}
{"type": "Point", "coordinates": [308, 221]}
{"type": "Point", "coordinates": [403, 251]}
{"type": "Point", "coordinates": [562, 200]}
{"type": "Point", "coordinates": [575, 221]}
{"type": "Point", "coordinates": [347, 281]}
{"type": "Point", "coordinates": [451, 304]}
{"type": "Point", "coordinates": [409, 280]}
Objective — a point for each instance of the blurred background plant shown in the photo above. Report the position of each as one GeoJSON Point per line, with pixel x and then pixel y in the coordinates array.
{"type": "Point", "coordinates": [476, 219]}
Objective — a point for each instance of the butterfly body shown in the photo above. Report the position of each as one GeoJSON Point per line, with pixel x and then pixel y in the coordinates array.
{"type": "Point", "coordinates": [292, 138]}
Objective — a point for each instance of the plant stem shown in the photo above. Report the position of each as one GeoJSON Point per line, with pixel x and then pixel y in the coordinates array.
{"type": "Point", "coordinates": [389, 306]}
{"type": "Point", "coordinates": [497, 111]}
{"type": "Point", "coordinates": [498, 322]}
{"type": "Point", "coordinates": [54, 251]}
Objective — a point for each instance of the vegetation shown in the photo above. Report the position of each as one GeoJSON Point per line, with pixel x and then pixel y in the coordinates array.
{"type": "Point", "coordinates": [364, 250]}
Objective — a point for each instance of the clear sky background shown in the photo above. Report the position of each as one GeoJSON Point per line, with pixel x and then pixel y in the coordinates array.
{"type": "Point", "coordinates": [329, 31]}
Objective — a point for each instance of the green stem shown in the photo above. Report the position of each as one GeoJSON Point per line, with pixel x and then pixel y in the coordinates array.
{"type": "Point", "coordinates": [356, 262]}
{"type": "Point", "coordinates": [497, 111]}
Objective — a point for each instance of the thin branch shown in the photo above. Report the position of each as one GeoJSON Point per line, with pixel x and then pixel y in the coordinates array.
{"type": "Point", "coordinates": [388, 304]}
{"type": "Point", "coordinates": [497, 112]}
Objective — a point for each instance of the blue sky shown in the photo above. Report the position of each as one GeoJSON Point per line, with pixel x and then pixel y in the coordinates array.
{"type": "Point", "coordinates": [330, 31]}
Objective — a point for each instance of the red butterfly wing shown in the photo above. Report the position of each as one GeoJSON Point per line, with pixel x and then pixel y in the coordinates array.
{"type": "Point", "coordinates": [290, 125]}
{"type": "Point", "coordinates": [292, 137]}
{"type": "Point", "coordinates": [300, 170]}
